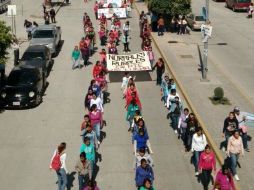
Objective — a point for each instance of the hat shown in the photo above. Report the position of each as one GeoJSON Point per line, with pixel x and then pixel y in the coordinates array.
{"type": "Point", "coordinates": [236, 109]}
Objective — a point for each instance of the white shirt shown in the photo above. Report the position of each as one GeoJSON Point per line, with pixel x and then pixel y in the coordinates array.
{"type": "Point", "coordinates": [171, 98]}
{"type": "Point", "coordinates": [198, 142]}
{"type": "Point", "coordinates": [62, 159]}
{"type": "Point", "coordinates": [97, 102]}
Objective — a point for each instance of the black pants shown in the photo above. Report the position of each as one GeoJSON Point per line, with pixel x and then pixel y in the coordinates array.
{"type": "Point", "coordinates": [85, 58]}
{"type": "Point", "coordinates": [2, 74]}
{"type": "Point", "coordinates": [159, 75]}
{"type": "Point", "coordinates": [126, 47]}
{"type": "Point", "coordinates": [53, 19]}
{"type": "Point", "coordinates": [206, 178]}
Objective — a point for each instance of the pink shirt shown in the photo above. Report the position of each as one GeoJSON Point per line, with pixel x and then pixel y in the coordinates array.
{"type": "Point", "coordinates": [207, 161]}
{"type": "Point", "coordinates": [235, 146]}
{"type": "Point", "coordinates": [95, 117]}
{"type": "Point", "coordinates": [225, 181]}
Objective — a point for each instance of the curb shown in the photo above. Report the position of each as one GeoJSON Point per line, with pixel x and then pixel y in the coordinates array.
{"type": "Point", "coordinates": [210, 140]}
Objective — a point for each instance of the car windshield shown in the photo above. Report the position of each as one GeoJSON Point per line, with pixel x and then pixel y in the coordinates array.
{"type": "Point", "coordinates": [199, 18]}
{"type": "Point", "coordinates": [21, 77]}
{"type": "Point", "coordinates": [43, 34]}
{"type": "Point", "coordinates": [28, 56]}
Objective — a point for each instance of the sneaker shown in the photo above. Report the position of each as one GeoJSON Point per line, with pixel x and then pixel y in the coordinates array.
{"type": "Point", "coordinates": [236, 177]}
{"type": "Point", "coordinates": [197, 173]}
{"type": "Point", "coordinates": [99, 142]}
{"type": "Point", "coordinates": [223, 149]}
{"type": "Point", "coordinates": [175, 131]}
{"type": "Point", "coordinates": [129, 129]}
{"type": "Point", "coordinates": [247, 149]}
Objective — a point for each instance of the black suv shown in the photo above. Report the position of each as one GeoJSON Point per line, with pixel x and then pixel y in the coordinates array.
{"type": "Point", "coordinates": [38, 56]}
{"type": "Point", "coordinates": [24, 87]}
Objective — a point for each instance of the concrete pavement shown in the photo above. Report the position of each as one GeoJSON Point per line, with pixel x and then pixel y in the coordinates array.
{"type": "Point", "coordinates": [29, 137]}
{"type": "Point", "coordinates": [183, 58]}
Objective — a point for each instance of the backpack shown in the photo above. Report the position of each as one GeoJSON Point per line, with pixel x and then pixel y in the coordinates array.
{"type": "Point", "coordinates": [56, 162]}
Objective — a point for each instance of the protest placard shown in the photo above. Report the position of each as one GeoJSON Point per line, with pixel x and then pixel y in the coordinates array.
{"type": "Point", "coordinates": [108, 12]}
{"type": "Point", "coordinates": [132, 62]}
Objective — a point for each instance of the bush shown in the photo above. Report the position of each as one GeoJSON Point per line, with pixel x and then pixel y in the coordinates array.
{"type": "Point", "coordinates": [219, 98]}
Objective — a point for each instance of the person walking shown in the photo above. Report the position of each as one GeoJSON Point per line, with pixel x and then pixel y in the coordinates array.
{"type": "Point", "coordinates": [126, 41]}
{"type": "Point", "coordinates": [97, 101]}
{"type": "Point", "coordinates": [141, 140]}
{"type": "Point", "coordinates": [85, 54]}
{"type": "Point", "coordinates": [95, 116]}
{"type": "Point", "coordinates": [84, 170]}
{"type": "Point", "coordinates": [58, 164]}
{"type": "Point", "coordinates": [230, 125]}
{"type": "Point", "coordinates": [182, 124]}
{"type": "Point", "coordinates": [250, 10]}
{"type": "Point", "coordinates": [197, 147]}
{"type": "Point", "coordinates": [161, 27]}
{"type": "Point", "coordinates": [234, 150]}
{"type": "Point", "coordinates": [143, 172]}
{"type": "Point", "coordinates": [143, 155]}
{"type": "Point", "coordinates": [147, 185]}
{"type": "Point", "coordinates": [88, 148]}
{"type": "Point", "coordinates": [224, 179]}
{"type": "Point", "coordinates": [52, 14]}
{"type": "Point", "coordinates": [131, 109]}
{"type": "Point", "coordinates": [192, 125]}
{"type": "Point", "coordinates": [175, 111]}
{"type": "Point", "coordinates": [151, 55]}
{"type": "Point", "coordinates": [76, 58]}
{"type": "Point", "coordinates": [207, 164]}
{"type": "Point", "coordinates": [160, 69]}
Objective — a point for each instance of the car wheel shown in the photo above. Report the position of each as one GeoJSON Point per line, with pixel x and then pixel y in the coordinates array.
{"type": "Point", "coordinates": [38, 99]}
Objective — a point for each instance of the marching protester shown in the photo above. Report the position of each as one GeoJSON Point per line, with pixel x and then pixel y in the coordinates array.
{"type": "Point", "coordinates": [147, 185]}
{"type": "Point", "coordinates": [192, 126]}
{"type": "Point", "coordinates": [144, 171]}
{"type": "Point", "coordinates": [224, 179]}
{"type": "Point", "coordinates": [126, 41]}
{"type": "Point", "coordinates": [206, 164]}
{"type": "Point", "coordinates": [161, 27]}
{"type": "Point", "coordinates": [234, 150]}
{"type": "Point", "coordinates": [76, 58]}
{"type": "Point", "coordinates": [83, 167]}
{"type": "Point", "coordinates": [95, 116]}
{"type": "Point", "coordinates": [182, 124]}
{"type": "Point", "coordinates": [160, 69]}
{"type": "Point", "coordinates": [58, 164]}
{"type": "Point", "coordinates": [197, 147]}
{"type": "Point", "coordinates": [175, 111]}
{"type": "Point", "coordinates": [142, 154]}
{"type": "Point", "coordinates": [230, 125]}
{"type": "Point", "coordinates": [88, 148]}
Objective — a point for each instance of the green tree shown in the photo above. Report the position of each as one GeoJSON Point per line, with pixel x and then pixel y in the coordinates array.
{"type": "Point", "coordinates": [170, 7]}
{"type": "Point", "coordinates": [5, 41]}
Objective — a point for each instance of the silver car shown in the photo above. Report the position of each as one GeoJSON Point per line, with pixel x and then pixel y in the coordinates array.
{"type": "Point", "coordinates": [195, 21]}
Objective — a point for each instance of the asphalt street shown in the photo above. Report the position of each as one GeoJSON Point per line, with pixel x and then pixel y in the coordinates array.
{"type": "Point", "coordinates": [29, 137]}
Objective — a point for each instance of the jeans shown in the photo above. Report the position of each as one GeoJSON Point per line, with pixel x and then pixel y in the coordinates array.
{"type": "Point", "coordinates": [76, 63]}
{"type": "Point", "coordinates": [196, 155]}
{"type": "Point", "coordinates": [174, 119]}
{"type": "Point", "coordinates": [183, 133]}
{"type": "Point", "coordinates": [206, 178]}
{"type": "Point", "coordinates": [81, 181]}
{"type": "Point", "coordinates": [245, 140]}
{"type": "Point", "coordinates": [62, 179]}
{"type": "Point", "coordinates": [97, 130]}
{"type": "Point", "coordinates": [188, 141]}
{"type": "Point", "coordinates": [234, 159]}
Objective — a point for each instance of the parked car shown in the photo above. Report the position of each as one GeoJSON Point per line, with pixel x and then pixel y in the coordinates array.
{"type": "Point", "coordinates": [195, 21]}
{"type": "Point", "coordinates": [48, 35]}
{"type": "Point", "coordinates": [237, 5]}
{"type": "Point", "coordinates": [24, 87]}
{"type": "Point", "coordinates": [37, 56]}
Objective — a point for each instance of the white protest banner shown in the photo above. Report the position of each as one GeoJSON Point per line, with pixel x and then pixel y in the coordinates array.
{"type": "Point", "coordinates": [108, 12]}
{"type": "Point", "coordinates": [133, 62]}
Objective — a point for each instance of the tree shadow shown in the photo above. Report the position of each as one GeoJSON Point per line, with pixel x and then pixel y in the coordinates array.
{"type": "Point", "coordinates": [70, 180]}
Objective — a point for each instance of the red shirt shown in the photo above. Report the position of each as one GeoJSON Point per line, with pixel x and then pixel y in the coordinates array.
{"type": "Point", "coordinates": [207, 161]}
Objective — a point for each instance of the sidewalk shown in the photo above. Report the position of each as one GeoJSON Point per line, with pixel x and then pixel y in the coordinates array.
{"type": "Point", "coordinates": [183, 58]}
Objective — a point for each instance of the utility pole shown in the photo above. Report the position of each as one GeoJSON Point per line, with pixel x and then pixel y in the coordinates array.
{"type": "Point", "coordinates": [205, 55]}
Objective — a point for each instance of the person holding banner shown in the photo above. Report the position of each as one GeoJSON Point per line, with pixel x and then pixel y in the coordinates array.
{"type": "Point", "coordinates": [160, 69]}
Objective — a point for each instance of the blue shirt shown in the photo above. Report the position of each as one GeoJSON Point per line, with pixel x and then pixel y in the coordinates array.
{"type": "Point", "coordinates": [141, 140]}
{"type": "Point", "coordinates": [142, 174]}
